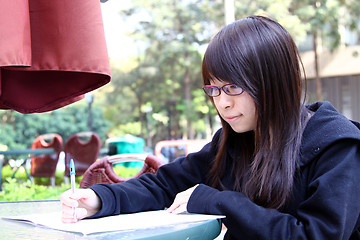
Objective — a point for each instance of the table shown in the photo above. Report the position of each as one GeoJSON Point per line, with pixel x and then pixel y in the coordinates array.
{"type": "Point", "coordinates": [16, 230]}
{"type": "Point", "coordinates": [29, 152]}
{"type": "Point", "coordinates": [32, 152]}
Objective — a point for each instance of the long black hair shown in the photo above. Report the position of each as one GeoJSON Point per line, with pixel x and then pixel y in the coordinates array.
{"type": "Point", "coordinates": [259, 55]}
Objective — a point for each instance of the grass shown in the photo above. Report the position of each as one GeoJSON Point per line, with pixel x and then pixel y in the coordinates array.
{"type": "Point", "coordinates": [21, 189]}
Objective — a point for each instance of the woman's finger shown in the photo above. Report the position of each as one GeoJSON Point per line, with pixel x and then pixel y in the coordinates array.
{"type": "Point", "coordinates": [181, 200]}
{"type": "Point", "coordinates": [68, 214]}
{"type": "Point", "coordinates": [177, 202]}
{"type": "Point", "coordinates": [180, 209]}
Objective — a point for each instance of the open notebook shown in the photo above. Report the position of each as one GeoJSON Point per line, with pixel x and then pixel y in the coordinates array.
{"type": "Point", "coordinates": [120, 222]}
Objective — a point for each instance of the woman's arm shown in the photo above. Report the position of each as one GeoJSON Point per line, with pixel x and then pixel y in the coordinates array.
{"type": "Point", "coordinates": [153, 192]}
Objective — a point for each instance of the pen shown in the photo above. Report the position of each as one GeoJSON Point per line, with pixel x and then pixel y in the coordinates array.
{"type": "Point", "coordinates": [72, 182]}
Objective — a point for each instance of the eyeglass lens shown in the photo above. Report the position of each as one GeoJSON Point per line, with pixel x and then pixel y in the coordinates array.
{"type": "Point", "coordinates": [230, 89]}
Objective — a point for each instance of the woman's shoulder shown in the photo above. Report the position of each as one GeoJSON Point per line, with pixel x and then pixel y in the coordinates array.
{"type": "Point", "coordinates": [325, 127]}
{"type": "Point", "coordinates": [326, 120]}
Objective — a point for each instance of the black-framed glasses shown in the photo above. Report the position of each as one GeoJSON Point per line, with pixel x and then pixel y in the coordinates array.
{"type": "Point", "coordinates": [229, 89]}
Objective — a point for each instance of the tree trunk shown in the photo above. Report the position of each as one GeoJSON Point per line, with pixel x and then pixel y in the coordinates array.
{"type": "Point", "coordinates": [318, 84]}
{"type": "Point", "coordinates": [141, 116]}
{"type": "Point", "coordinates": [187, 88]}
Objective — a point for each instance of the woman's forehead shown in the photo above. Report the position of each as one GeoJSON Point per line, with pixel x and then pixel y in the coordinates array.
{"type": "Point", "coordinates": [220, 82]}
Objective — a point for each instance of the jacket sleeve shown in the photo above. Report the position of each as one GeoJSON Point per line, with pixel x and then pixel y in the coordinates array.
{"type": "Point", "coordinates": [329, 208]}
{"type": "Point", "coordinates": [154, 192]}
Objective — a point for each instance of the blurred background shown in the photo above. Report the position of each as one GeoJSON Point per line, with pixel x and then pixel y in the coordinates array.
{"type": "Point", "coordinates": [155, 49]}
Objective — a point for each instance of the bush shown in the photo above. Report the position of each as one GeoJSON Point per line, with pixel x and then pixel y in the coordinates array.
{"type": "Point", "coordinates": [21, 189]}
{"type": "Point", "coordinates": [126, 172]}
{"type": "Point", "coordinates": [21, 176]}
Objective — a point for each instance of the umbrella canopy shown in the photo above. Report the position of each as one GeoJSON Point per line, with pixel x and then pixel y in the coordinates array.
{"type": "Point", "coordinates": [51, 53]}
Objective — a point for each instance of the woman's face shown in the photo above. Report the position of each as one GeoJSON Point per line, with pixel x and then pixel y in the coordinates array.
{"type": "Point", "coordinates": [238, 111]}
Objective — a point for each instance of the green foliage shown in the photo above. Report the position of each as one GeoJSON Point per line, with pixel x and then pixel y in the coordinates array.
{"type": "Point", "coordinates": [132, 128]}
{"type": "Point", "coordinates": [21, 177]}
{"type": "Point", "coordinates": [8, 136]}
{"type": "Point", "coordinates": [7, 172]}
{"type": "Point", "coordinates": [281, 10]}
{"type": "Point", "coordinates": [22, 191]}
{"type": "Point", "coordinates": [169, 64]}
{"type": "Point", "coordinates": [126, 172]}
{"type": "Point", "coordinates": [18, 131]}
{"type": "Point", "coordinates": [327, 17]}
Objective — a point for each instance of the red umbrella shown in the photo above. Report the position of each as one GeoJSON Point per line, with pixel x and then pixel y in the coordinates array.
{"type": "Point", "coordinates": [51, 53]}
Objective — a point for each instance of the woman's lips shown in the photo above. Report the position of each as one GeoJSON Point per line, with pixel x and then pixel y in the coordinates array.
{"type": "Point", "coordinates": [232, 119]}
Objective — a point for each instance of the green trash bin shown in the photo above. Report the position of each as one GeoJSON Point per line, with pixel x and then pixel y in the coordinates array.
{"type": "Point", "coordinates": [126, 144]}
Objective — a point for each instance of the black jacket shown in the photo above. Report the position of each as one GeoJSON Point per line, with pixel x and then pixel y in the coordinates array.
{"type": "Point", "coordinates": [326, 195]}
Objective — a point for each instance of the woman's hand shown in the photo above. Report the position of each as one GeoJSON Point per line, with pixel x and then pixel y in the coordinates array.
{"type": "Point", "coordinates": [85, 201]}
{"type": "Point", "coordinates": [180, 203]}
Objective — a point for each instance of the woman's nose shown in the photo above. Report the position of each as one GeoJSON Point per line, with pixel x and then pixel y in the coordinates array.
{"type": "Point", "coordinates": [224, 100]}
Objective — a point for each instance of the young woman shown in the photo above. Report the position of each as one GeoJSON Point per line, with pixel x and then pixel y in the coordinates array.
{"type": "Point", "coordinates": [277, 169]}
